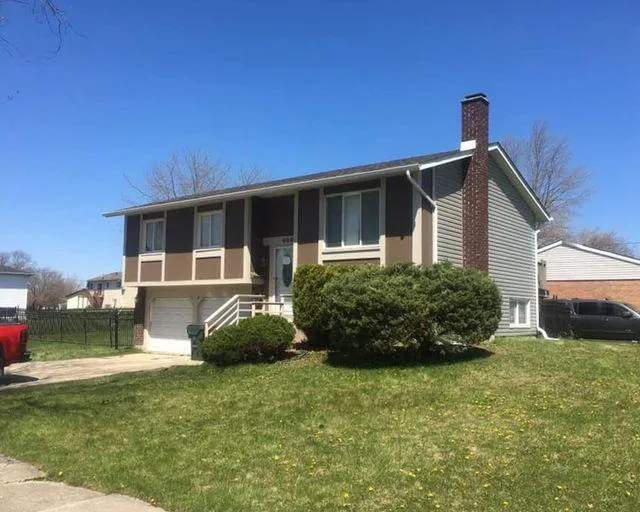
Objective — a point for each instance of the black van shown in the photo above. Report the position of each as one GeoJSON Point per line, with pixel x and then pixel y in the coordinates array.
{"type": "Point", "coordinates": [604, 319]}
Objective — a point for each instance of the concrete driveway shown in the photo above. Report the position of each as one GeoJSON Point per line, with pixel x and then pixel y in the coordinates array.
{"type": "Point", "coordinates": [22, 490]}
{"type": "Point", "coordinates": [49, 372]}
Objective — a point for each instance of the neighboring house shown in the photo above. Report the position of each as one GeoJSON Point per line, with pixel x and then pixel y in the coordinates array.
{"type": "Point", "coordinates": [114, 295]}
{"type": "Point", "coordinates": [80, 299]}
{"type": "Point", "coordinates": [104, 291]}
{"type": "Point", "coordinates": [575, 271]}
{"type": "Point", "coordinates": [194, 257]}
{"type": "Point", "coordinates": [13, 287]}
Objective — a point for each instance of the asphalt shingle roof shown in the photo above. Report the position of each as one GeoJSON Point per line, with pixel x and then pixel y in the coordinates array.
{"type": "Point", "coordinates": [346, 171]}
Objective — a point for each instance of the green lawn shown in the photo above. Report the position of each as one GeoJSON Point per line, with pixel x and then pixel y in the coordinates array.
{"type": "Point", "coordinates": [537, 426]}
{"type": "Point", "coordinates": [54, 351]}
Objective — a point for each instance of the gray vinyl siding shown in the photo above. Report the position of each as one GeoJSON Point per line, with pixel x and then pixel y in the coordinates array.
{"type": "Point", "coordinates": [512, 255]}
{"type": "Point", "coordinates": [448, 194]}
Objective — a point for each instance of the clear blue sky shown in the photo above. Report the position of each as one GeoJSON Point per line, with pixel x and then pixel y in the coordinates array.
{"type": "Point", "coordinates": [298, 87]}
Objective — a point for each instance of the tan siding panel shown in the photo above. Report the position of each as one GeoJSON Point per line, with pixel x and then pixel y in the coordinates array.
{"type": "Point", "coordinates": [208, 268]}
{"type": "Point", "coordinates": [177, 266]}
{"type": "Point", "coordinates": [130, 269]}
{"type": "Point", "coordinates": [151, 271]}
{"type": "Point", "coordinates": [233, 263]}
{"type": "Point", "coordinates": [307, 253]}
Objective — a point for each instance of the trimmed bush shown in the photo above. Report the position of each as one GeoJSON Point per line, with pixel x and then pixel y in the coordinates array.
{"type": "Point", "coordinates": [309, 309]}
{"type": "Point", "coordinates": [258, 339]}
{"type": "Point", "coordinates": [378, 312]}
{"type": "Point", "coordinates": [465, 303]}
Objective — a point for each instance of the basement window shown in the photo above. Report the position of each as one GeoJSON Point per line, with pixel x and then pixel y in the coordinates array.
{"type": "Point", "coordinates": [519, 315]}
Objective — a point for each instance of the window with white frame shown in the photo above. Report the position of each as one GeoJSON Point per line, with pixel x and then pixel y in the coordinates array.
{"type": "Point", "coordinates": [153, 235]}
{"type": "Point", "coordinates": [519, 312]}
{"type": "Point", "coordinates": [352, 219]}
{"type": "Point", "coordinates": [209, 230]}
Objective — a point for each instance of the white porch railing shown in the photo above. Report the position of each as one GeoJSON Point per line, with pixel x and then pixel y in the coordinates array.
{"type": "Point", "coordinates": [245, 306]}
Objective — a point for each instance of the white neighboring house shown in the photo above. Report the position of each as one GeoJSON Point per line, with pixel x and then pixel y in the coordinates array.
{"type": "Point", "coordinates": [109, 288]}
{"type": "Point", "coordinates": [13, 287]}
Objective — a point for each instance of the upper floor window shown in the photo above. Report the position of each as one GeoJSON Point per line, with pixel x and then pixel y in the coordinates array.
{"type": "Point", "coordinates": [209, 230]}
{"type": "Point", "coordinates": [353, 219]}
{"type": "Point", "coordinates": [153, 235]}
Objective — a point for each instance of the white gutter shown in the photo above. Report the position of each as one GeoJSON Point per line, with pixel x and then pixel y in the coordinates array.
{"type": "Point", "coordinates": [539, 329]}
{"type": "Point", "coordinates": [417, 186]}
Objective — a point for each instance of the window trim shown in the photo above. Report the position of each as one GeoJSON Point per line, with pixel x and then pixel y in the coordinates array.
{"type": "Point", "coordinates": [343, 246]}
{"type": "Point", "coordinates": [518, 301]}
{"type": "Point", "coordinates": [198, 243]}
{"type": "Point", "coordinates": [143, 240]}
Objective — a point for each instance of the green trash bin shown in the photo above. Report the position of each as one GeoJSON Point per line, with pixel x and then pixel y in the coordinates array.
{"type": "Point", "coordinates": [196, 334]}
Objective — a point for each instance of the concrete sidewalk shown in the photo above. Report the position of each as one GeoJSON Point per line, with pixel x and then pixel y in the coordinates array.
{"type": "Point", "coordinates": [21, 490]}
{"type": "Point", "coordinates": [47, 372]}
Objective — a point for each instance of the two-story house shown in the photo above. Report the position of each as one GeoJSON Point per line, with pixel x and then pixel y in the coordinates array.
{"type": "Point", "coordinates": [470, 206]}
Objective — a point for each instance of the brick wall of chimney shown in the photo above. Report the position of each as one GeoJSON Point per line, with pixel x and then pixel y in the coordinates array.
{"type": "Point", "coordinates": [475, 190]}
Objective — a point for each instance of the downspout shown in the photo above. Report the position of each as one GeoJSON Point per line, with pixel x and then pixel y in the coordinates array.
{"type": "Point", "coordinates": [539, 329]}
{"type": "Point", "coordinates": [417, 186]}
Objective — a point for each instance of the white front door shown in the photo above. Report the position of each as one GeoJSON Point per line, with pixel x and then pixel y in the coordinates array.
{"type": "Point", "coordinates": [283, 277]}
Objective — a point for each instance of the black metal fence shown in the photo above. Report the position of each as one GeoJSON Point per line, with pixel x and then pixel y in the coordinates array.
{"type": "Point", "coordinates": [555, 318]}
{"type": "Point", "coordinates": [104, 327]}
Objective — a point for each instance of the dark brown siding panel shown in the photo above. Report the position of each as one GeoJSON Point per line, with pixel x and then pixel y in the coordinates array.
{"type": "Point", "coordinates": [177, 266]}
{"type": "Point", "coordinates": [259, 253]}
{"type": "Point", "coordinates": [151, 271]}
{"type": "Point", "coordinates": [132, 235]}
{"type": "Point", "coordinates": [372, 261]}
{"type": "Point", "coordinates": [208, 268]}
{"type": "Point", "coordinates": [210, 207]}
{"type": "Point", "coordinates": [234, 240]}
{"type": "Point", "coordinates": [278, 216]}
{"type": "Point", "coordinates": [352, 187]}
{"type": "Point", "coordinates": [130, 269]}
{"type": "Point", "coordinates": [180, 231]}
{"type": "Point", "coordinates": [308, 226]}
{"type": "Point", "coordinates": [399, 222]}
{"type": "Point", "coordinates": [153, 215]}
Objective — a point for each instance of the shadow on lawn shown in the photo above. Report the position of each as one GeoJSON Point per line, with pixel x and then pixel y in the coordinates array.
{"type": "Point", "coordinates": [437, 357]}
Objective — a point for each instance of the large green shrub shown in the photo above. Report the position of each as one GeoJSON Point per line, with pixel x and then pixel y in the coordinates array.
{"type": "Point", "coordinates": [465, 303]}
{"type": "Point", "coordinates": [374, 311]}
{"type": "Point", "coordinates": [261, 338]}
{"type": "Point", "coordinates": [309, 308]}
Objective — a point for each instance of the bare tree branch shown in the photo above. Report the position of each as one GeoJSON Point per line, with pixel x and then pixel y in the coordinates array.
{"type": "Point", "coordinates": [545, 160]}
{"type": "Point", "coordinates": [605, 240]}
{"type": "Point", "coordinates": [190, 172]}
{"type": "Point", "coordinates": [44, 12]}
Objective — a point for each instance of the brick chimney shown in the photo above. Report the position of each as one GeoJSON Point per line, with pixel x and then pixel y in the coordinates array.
{"type": "Point", "coordinates": [475, 190]}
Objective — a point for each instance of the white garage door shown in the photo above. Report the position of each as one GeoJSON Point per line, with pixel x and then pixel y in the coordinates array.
{"type": "Point", "coordinates": [168, 326]}
{"type": "Point", "coordinates": [208, 306]}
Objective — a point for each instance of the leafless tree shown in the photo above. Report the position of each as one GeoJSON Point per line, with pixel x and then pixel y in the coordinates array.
{"type": "Point", "coordinates": [48, 287]}
{"type": "Point", "coordinates": [44, 12]}
{"type": "Point", "coordinates": [605, 240]}
{"type": "Point", "coordinates": [545, 160]}
{"type": "Point", "coordinates": [19, 260]}
{"type": "Point", "coordinates": [190, 172]}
